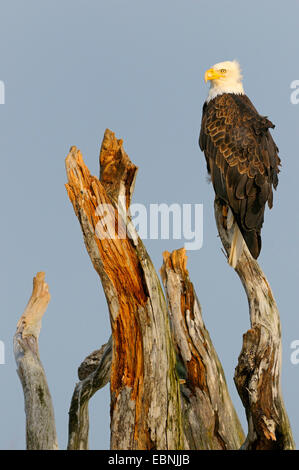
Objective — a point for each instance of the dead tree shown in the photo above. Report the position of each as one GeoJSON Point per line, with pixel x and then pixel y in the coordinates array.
{"type": "Point", "coordinates": [257, 375]}
{"type": "Point", "coordinates": [167, 385]}
{"type": "Point", "coordinates": [145, 395]}
{"type": "Point", "coordinates": [40, 423]}
{"type": "Point", "coordinates": [210, 420]}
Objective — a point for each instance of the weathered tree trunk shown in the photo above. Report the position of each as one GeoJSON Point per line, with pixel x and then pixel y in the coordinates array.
{"type": "Point", "coordinates": [40, 422]}
{"type": "Point", "coordinates": [209, 418]}
{"type": "Point", "coordinates": [257, 375]}
{"type": "Point", "coordinates": [145, 395]}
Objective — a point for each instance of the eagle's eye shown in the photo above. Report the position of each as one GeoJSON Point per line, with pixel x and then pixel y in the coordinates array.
{"type": "Point", "coordinates": [223, 70]}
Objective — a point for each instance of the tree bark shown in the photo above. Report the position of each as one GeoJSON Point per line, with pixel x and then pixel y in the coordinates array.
{"type": "Point", "coordinates": [210, 420]}
{"type": "Point", "coordinates": [145, 395]}
{"type": "Point", "coordinates": [40, 422]}
{"type": "Point", "coordinates": [257, 376]}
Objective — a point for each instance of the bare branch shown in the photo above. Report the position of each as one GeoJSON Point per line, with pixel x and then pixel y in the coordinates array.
{"type": "Point", "coordinates": [40, 422]}
{"type": "Point", "coordinates": [94, 373]}
{"type": "Point", "coordinates": [257, 375]}
{"type": "Point", "coordinates": [91, 362]}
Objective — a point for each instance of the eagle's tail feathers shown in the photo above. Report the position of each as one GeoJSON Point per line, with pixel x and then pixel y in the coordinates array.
{"type": "Point", "coordinates": [253, 241]}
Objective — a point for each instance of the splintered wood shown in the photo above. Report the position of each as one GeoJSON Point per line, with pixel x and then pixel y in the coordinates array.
{"type": "Point", "coordinates": [145, 397]}
{"type": "Point", "coordinates": [210, 420]}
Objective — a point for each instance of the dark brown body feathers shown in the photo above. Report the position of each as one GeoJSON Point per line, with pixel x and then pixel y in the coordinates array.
{"type": "Point", "coordinates": [242, 160]}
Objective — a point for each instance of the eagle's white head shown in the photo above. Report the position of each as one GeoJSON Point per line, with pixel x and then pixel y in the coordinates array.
{"type": "Point", "coordinates": [225, 77]}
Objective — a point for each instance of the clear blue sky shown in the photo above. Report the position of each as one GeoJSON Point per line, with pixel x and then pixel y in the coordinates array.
{"type": "Point", "coordinates": [71, 68]}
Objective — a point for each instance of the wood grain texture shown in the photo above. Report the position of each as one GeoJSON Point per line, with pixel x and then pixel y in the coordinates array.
{"type": "Point", "coordinates": [258, 372]}
{"type": "Point", "coordinates": [145, 396]}
{"type": "Point", "coordinates": [40, 422]}
{"type": "Point", "coordinates": [210, 420]}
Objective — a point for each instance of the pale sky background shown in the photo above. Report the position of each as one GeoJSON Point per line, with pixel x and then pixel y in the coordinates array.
{"type": "Point", "coordinates": [73, 68]}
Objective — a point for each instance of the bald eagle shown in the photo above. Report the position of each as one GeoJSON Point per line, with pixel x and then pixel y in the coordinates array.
{"type": "Point", "coordinates": [242, 158]}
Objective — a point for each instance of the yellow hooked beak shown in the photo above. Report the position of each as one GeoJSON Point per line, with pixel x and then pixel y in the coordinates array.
{"type": "Point", "coordinates": [212, 74]}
